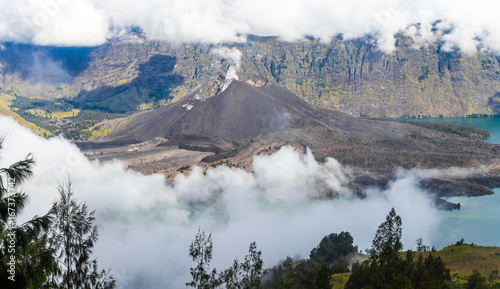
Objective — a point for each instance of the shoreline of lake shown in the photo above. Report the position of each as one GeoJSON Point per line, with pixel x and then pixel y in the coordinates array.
{"type": "Point", "coordinates": [478, 219]}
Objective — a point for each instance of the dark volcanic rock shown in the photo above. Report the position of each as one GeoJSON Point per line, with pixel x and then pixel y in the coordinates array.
{"type": "Point", "coordinates": [470, 187]}
{"type": "Point", "coordinates": [445, 205]}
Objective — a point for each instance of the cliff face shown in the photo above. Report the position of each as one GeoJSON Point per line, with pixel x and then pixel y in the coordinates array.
{"type": "Point", "coordinates": [354, 77]}
{"type": "Point", "coordinates": [351, 76]}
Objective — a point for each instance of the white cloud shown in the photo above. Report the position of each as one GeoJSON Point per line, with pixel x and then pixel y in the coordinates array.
{"type": "Point", "coordinates": [87, 22]}
{"type": "Point", "coordinates": [53, 22]}
{"type": "Point", "coordinates": [71, 23]}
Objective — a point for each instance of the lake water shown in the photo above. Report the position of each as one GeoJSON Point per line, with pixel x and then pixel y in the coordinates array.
{"type": "Point", "coordinates": [478, 221]}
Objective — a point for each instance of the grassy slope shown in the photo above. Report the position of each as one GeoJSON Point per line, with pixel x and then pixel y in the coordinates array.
{"type": "Point", "coordinates": [55, 114]}
{"type": "Point", "coordinates": [4, 110]}
{"type": "Point", "coordinates": [465, 258]}
{"type": "Point", "coordinates": [461, 260]}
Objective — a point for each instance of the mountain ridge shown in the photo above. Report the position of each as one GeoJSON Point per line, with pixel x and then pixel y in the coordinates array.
{"type": "Point", "coordinates": [347, 75]}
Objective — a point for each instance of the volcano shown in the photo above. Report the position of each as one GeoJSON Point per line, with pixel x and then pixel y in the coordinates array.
{"type": "Point", "coordinates": [226, 109]}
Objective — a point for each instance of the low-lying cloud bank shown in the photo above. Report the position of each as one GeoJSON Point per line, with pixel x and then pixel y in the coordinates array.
{"type": "Point", "coordinates": [469, 25]}
{"type": "Point", "coordinates": [146, 225]}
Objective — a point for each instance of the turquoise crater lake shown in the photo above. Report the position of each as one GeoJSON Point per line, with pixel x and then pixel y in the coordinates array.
{"type": "Point", "coordinates": [478, 221]}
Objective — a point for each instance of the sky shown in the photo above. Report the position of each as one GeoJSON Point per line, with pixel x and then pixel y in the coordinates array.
{"type": "Point", "coordinates": [469, 25]}
{"type": "Point", "coordinates": [146, 225]}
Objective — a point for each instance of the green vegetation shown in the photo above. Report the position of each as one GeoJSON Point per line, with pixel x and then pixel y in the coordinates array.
{"type": "Point", "coordinates": [425, 73]}
{"type": "Point", "coordinates": [302, 274]}
{"type": "Point", "coordinates": [386, 269]}
{"type": "Point", "coordinates": [46, 106]}
{"type": "Point", "coordinates": [333, 247]}
{"type": "Point", "coordinates": [476, 281]}
{"type": "Point", "coordinates": [97, 131]}
{"type": "Point", "coordinates": [461, 130]}
{"type": "Point", "coordinates": [247, 274]}
{"type": "Point", "coordinates": [329, 258]}
{"type": "Point", "coordinates": [201, 252]}
{"type": "Point", "coordinates": [36, 129]}
{"type": "Point", "coordinates": [85, 125]}
{"type": "Point", "coordinates": [183, 168]}
{"type": "Point", "coordinates": [338, 281]}
{"type": "Point", "coordinates": [61, 117]}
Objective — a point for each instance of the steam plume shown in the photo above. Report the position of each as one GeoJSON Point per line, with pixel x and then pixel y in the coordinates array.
{"type": "Point", "coordinates": [235, 56]}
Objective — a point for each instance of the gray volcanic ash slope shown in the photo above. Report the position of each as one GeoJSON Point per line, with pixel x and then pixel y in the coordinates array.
{"type": "Point", "coordinates": [243, 110]}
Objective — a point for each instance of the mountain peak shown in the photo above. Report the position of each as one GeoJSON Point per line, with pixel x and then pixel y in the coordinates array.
{"type": "Point", "coordinates": [222, 81]}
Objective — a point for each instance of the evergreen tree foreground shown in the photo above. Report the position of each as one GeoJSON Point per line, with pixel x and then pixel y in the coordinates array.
{"type": "Point", "coordinates": [49, 251]}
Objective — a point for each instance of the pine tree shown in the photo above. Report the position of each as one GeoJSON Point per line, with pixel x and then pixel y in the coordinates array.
{"type": "Point", "coordinates": [247, 274]}
{"type": "Point", "coordinates": [201, 252]}
{"type": "Point", "coordinates": [73, 237]}
{"type": "Point", "coordinates": [386, 269]}
{"type": "Point", "coordinates": [387, 241]}
{"type": "Point", "coordinates": [25, 259]}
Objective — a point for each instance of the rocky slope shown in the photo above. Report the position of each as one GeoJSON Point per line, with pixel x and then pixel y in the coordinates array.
{"type": "Point", "coordinates": [351, 76]}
